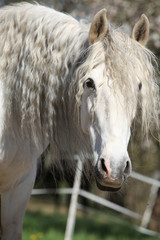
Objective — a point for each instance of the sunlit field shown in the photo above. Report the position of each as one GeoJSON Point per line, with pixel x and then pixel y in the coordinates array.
{"type": "Point", "coordinates": [43, 226]}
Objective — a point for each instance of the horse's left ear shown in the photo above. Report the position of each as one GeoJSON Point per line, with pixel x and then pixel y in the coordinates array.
{"type": "Point", "coordinates": [99, 27]}
{"type": "Point", "coordinates": [140, 31]}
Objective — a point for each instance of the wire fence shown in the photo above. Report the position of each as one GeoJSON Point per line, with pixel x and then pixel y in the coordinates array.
{"type": "Point", "coordinates": [76, 191]}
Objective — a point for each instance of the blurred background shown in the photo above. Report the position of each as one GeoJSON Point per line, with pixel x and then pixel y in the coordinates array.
{"type": "Point", "coordinates": [145, 153]}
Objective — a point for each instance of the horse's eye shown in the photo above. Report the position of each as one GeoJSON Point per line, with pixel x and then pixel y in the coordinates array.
{"type": "Point", "coordinates": [140, 86]}
{"type": "Point", "coordinates": [90, 83]}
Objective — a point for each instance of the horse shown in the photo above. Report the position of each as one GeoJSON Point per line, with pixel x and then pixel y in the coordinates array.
{"type": "Point", "coordinates": [74, 85]}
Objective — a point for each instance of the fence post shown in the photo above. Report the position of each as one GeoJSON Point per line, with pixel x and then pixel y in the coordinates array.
{"type": "Point", "coordinates": [73, 204]}
{"type": "Point", "coordinates": [149, 208]}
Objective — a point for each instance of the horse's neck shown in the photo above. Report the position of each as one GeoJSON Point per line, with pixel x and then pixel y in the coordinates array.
{"type": "Point", "coordinates": [49, 60]}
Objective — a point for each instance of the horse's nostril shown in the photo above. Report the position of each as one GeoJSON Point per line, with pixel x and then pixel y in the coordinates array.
{"type": "Point", "coordinates": [127, 168]}
{"type": "Point", "coordinates": [103, 165]}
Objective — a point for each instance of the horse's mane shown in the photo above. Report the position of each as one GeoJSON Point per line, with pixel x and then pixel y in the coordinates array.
{"type": "Point", "coordinates": [46, 56]}
{"type": "Point", "coordinates": [40, 49]}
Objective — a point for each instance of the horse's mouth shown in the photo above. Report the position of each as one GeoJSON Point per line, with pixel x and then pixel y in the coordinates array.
{"type": "Point", "coordinates": [107, 188]}
{"type": "Point", "coordinates": [106, 183]}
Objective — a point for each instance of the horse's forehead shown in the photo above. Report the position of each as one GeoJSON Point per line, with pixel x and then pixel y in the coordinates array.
{"type": "Point", "coordinates": [123, 42]}
{"type": "Point", "coordinates": [122, 38]}
{"type": "Point", "coordinates": [98, 72]}
{"type": "Point", "coordinates": [122, 55]}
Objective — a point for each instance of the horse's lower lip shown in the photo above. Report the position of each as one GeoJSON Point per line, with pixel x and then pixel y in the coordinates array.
{"type": "Point", "coordinates": [107, 188]}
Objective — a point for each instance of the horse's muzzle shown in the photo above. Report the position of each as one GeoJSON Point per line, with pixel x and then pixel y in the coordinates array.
{"type": "Point", "coordinates": [105, 188]}
{"type": "Point", "coordinates": [108, 184]}
{"type": "Point", "coordinates": [112, 178]}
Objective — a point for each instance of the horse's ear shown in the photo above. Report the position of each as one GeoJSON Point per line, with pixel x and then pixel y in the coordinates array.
{"type": "Point", "coordinates": [98, 29]}
{"type": "Point", "coordinates": [141, 30]}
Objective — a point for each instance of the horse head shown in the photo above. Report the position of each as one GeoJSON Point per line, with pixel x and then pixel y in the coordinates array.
{"type": "Point", "coordinates": [103, 110]}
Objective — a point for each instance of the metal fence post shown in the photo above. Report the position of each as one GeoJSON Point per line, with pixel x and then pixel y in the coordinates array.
{"type": "Point", "coordinates": [73, 204]}
{"type": "Point", "coordinates": [151, 201]}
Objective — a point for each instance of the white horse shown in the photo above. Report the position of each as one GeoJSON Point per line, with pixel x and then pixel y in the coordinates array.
{"type": "Point", "coordinates": [76, 86]}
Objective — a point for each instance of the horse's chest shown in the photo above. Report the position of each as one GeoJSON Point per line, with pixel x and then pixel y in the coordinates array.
{"type": "Point", "coordinates": [15, 158]}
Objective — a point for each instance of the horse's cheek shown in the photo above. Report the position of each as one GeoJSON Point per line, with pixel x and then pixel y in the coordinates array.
{"type": "Point", "coordinates": [84, 120]}
{"type": "Point", "coordinates": [85, 115]}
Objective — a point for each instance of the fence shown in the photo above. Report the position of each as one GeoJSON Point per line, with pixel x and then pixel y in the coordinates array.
{"type": "Point", "coordinates": [76, 191]}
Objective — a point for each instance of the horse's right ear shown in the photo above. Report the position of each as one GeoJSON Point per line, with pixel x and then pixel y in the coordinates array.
{"type": "Point", "coordinates": [140, 31]}
{"type": "Point", "coordinates": [99, 27]}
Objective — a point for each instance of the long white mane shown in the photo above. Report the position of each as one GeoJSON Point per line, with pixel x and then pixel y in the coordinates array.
{"type": "Point", "coordinates": [45, 57]}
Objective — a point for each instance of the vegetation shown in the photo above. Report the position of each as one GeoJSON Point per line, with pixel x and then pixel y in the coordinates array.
{"type": "Point", "coordinates": [48, 227]}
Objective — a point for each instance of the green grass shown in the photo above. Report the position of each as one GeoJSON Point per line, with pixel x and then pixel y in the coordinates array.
{"type": "Point", "coordinates": [38, 226]}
